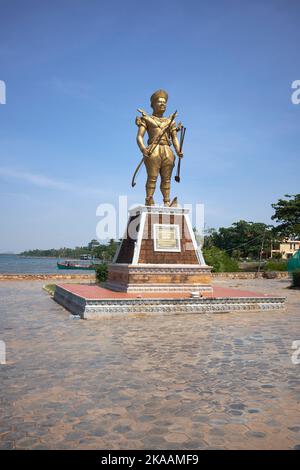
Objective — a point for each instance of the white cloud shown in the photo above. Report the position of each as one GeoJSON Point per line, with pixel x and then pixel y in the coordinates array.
{"type": "Point", "coordinates": [37, 180]}
{"type": "Point", "coordinates": [46, 182]}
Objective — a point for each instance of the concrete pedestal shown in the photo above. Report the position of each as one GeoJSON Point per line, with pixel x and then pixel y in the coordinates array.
{"type": "Point", "coordinates": [159, 253]}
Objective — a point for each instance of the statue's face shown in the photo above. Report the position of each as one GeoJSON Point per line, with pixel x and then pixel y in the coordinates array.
{"type": "Point", "coordinates": [160, 105]}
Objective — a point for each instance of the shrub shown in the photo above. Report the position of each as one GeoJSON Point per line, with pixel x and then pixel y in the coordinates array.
{"type": "Point", "coordinates": [101, 272]}
{"type": "Point", "coordinates": [296, 278]}
{"type": "Point", "coordinates": [276, 265]}
{"type": "Point", "coordinates": [220, 260]}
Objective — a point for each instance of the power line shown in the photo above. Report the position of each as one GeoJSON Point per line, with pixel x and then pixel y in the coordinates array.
{"type": "Point", "coordinates": [246, 243]}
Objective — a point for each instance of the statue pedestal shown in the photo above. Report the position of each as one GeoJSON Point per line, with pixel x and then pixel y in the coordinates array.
{"type": "Point", "coordinates": [159, 253]}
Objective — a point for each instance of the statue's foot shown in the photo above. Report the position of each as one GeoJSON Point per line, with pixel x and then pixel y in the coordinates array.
{"type": "Point", "coordinates": [149, 201]}
{"type": "Point", "coordinates": [171, 204]}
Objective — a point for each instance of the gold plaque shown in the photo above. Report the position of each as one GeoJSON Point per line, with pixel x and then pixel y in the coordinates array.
{"type": "Point", "coordinates": [166, 237]}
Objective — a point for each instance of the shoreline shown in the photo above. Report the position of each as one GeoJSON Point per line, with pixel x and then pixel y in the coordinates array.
{"type": "Point", "coordinates": [92, 276]}
{"type": "Point", "coordinates": [44, 276]}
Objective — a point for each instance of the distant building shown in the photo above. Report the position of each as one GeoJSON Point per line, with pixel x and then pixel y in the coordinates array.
{"type": "Point", "coordinates": [287, 248]}
{"type": "Point", "coordinates": [93, 244]}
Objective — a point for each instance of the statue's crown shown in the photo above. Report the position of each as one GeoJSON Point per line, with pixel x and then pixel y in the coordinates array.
{"type": "Point", "coordinates": [159, 94]}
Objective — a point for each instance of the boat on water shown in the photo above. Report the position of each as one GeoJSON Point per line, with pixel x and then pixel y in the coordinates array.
{"type": "Point", "coordinates": [86, 257]}
{"type": "Point", "coordinates": [74, 265]}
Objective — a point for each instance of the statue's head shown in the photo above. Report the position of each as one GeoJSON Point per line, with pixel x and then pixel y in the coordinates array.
{"type": "Point", "coordinates": [159, 101]}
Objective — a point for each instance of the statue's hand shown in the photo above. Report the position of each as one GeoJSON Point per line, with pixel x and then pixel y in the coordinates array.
{"type": "Point", "coordinates": [180, 154]}
{"type": "Point", "coordinates": [146, 152]}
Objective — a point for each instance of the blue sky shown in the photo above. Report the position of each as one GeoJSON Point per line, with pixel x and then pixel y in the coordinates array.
{"type": "Point", "coordinates": [75, 72]}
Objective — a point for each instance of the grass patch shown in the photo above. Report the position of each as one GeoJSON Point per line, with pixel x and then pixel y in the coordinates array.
{"type": "Point", "coordinates": [50, 289]}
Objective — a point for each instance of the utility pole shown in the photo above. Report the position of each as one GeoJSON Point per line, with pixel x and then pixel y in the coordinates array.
{"type": "Point", "coordinates": [261, 251]}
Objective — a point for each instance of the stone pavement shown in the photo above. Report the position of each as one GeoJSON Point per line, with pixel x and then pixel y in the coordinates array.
{"type": "Point", "coordinates": [189, 381]}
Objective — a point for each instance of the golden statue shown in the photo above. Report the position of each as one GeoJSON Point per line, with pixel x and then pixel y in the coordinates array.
{"type": "Point", "coordinates": [158, 157]}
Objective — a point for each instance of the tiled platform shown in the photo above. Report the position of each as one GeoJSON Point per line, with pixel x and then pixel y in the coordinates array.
{"type": "Point", "coordinates": [95, 302]}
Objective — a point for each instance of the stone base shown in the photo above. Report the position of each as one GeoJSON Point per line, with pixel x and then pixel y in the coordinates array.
{"type": "Point", "coordinates": [159, 253]}
{"type": "Point", "coordinates": [94, 302]}
{"type": "Point", "coordinates": [159, 278]}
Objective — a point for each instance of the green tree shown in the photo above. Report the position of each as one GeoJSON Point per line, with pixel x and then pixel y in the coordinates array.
{"type": "Point", "coordinates": [287, 214]}
{"type": "Point", "coordinates": [242, 240]}
{"type": "Point", "coordinates": [107, 251]}
{"type": "Point", "coordinates": [93, 244]}
{"type": "Point", "coordinates": [209, 235]}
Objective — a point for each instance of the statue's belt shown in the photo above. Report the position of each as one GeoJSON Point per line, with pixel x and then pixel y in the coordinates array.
{"type": "Point", "coordinates": [161, 144]}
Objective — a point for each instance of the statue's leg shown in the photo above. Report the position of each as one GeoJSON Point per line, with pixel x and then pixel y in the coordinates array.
{"type": "Point", "coordinates": [166, 169]}
{"type": "Point", "coordinates": [152, 165]}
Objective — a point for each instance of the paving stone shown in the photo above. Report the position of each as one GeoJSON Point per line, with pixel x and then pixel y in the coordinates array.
{"type": "Point", "coordinates": [122, 429]}
{"type": "Point", "coordinates": [237, 406]}
{"type": "Point", "coordinates": [235, 412]}
{"type": "Point", "coordinates": [176, 437]}
{"type": "Point", "coordinates": [146, 418]}
{"type": "Point", "coordinates": [294, 428]}
{"type": "Point", "coordinates": [257, 434]}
